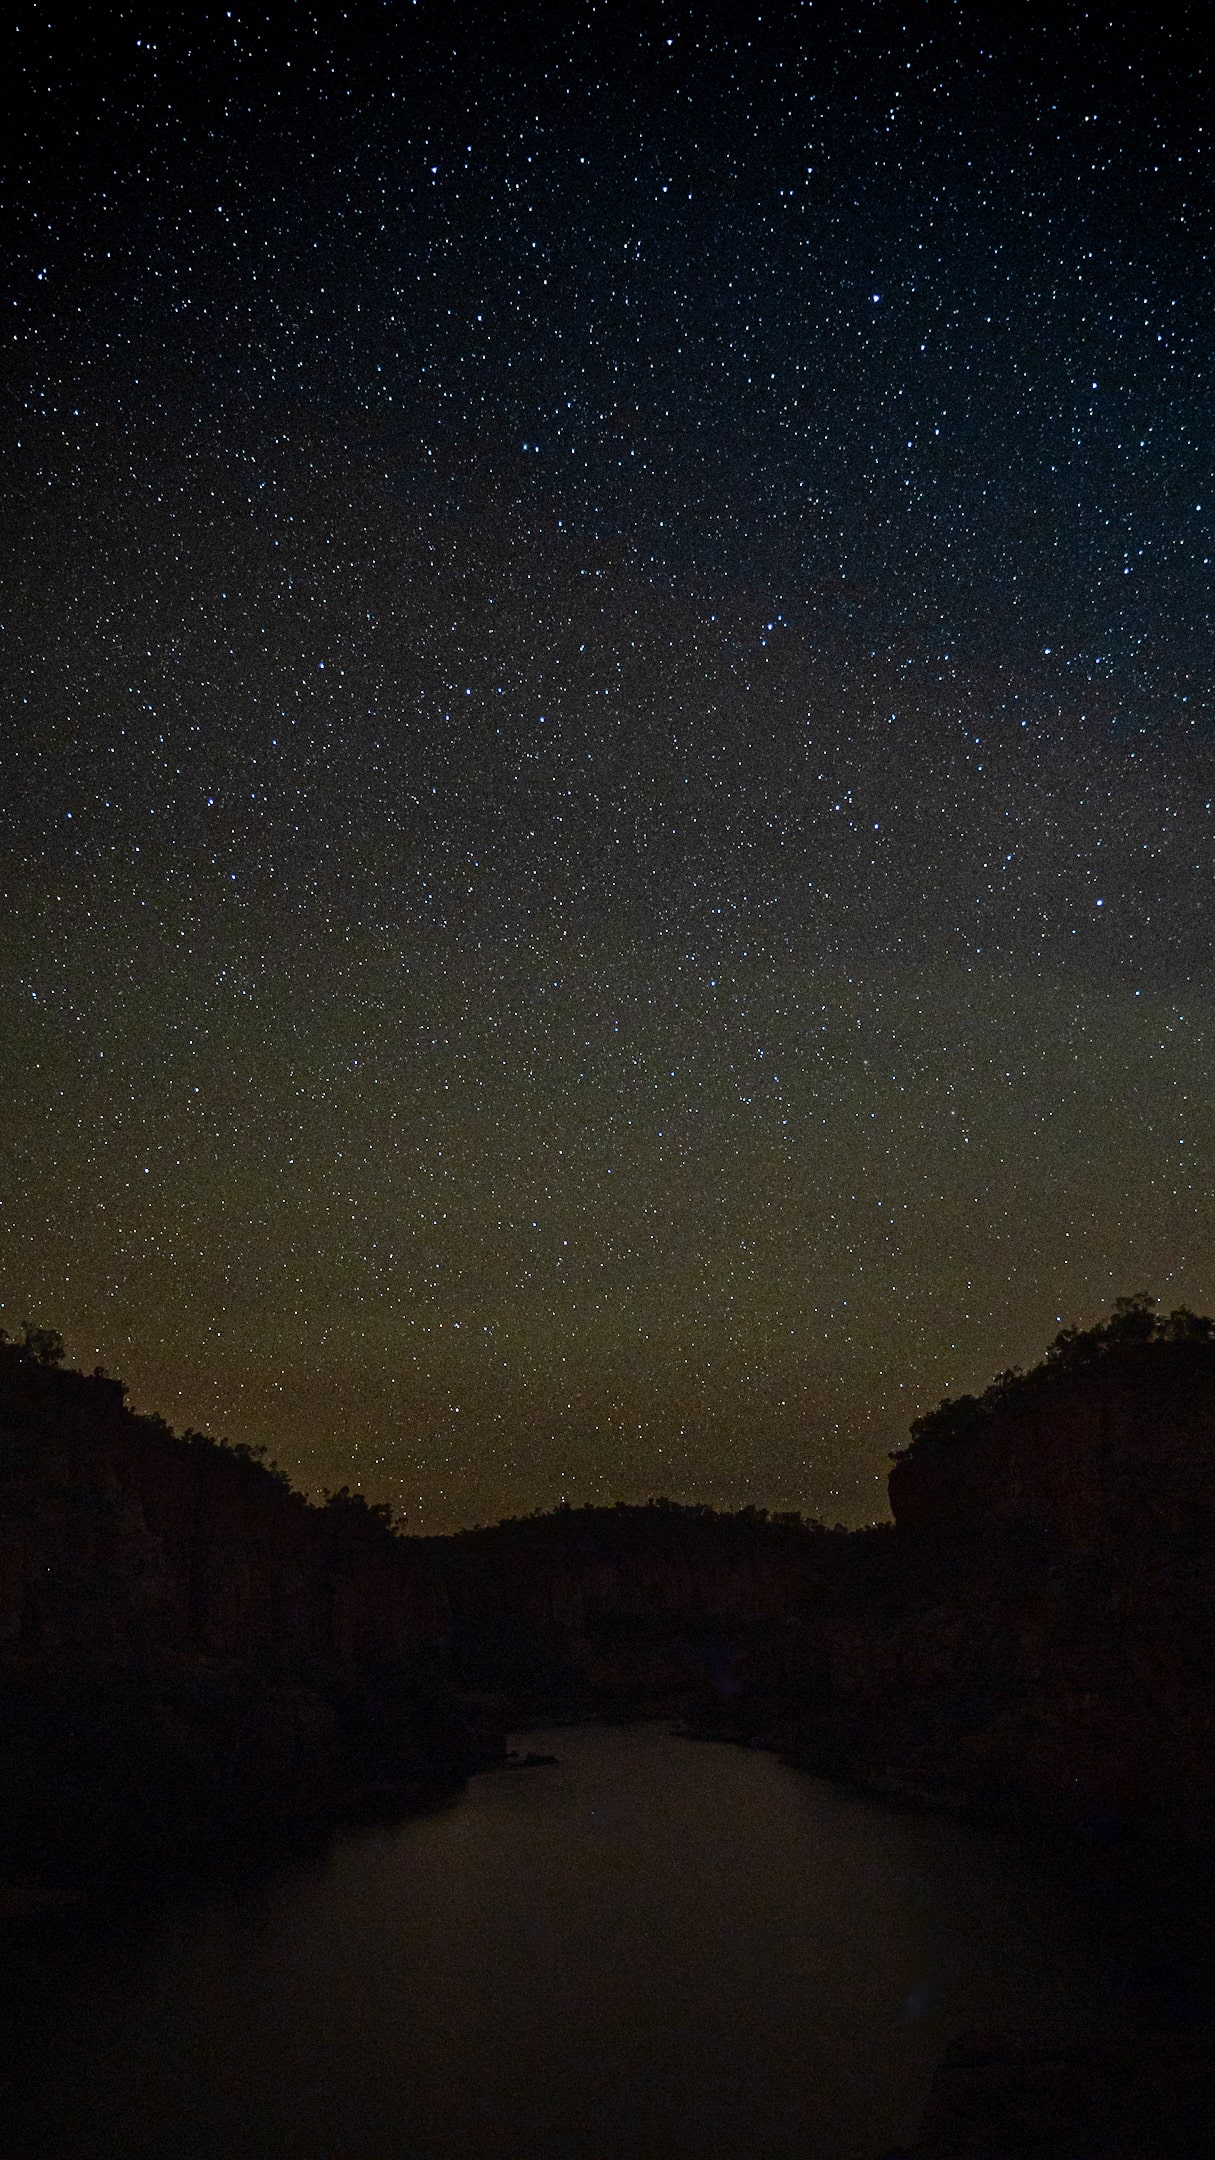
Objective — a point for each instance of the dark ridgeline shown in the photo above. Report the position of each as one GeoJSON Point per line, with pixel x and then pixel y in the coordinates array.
{"type": "Point", "coordinates": [624, 1611]}
{"type": "Point", "coordinates": [186, 1645]}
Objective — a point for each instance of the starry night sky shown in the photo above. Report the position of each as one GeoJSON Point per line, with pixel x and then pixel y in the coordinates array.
{"type": "Point", "coordinates": [607, 758]}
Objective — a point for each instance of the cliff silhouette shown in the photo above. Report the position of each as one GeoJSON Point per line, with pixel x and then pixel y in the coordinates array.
{"type": "Point", "coordinates": [188, 1648]}
{"type": "Point", "coordinates": [1032, 1639]}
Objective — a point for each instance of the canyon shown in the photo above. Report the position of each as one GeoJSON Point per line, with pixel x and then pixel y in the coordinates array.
{"type": "Point", "coordinates": [191, 1652]}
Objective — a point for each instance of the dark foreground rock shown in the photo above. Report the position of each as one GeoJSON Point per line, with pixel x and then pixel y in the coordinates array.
{"type": "Point", "coordinates": [105, 1773]}
{"type": "Point", "coordinates": [1026, 2096]}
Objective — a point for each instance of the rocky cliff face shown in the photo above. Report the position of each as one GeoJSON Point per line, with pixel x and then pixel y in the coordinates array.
{"type": "Point", "coordinates": [186, 1646]}
{"type": "Point", "coordinates": [1034, 1638]}
{"type": "Point", "coordinates": [1117, 1446]}
{"type": "Point", "coordinates": [118, 1539]}
{"type": "Point", "coordinates": [623, 1610]}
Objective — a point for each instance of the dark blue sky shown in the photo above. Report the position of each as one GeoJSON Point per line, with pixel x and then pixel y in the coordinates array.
{"type": "Point", "coordinates": [606, 791]}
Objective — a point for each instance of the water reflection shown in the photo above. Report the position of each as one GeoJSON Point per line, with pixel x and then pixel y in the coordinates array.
{"type": "Point", "coordinates": [655, 1951]}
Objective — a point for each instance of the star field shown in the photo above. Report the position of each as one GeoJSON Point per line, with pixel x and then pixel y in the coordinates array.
{"type": "Point", "coordinates": [606, 784]}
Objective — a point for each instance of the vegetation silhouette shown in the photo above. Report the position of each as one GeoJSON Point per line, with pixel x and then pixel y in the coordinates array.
{"type": "Point", "coordinates": [1133, 1324]}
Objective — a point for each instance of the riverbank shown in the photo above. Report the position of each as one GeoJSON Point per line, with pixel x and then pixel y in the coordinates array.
{"type": "Point", "coordinates": [647, 1947]}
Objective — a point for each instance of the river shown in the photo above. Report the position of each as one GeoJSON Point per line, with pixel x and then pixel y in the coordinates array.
{"type": "Point", "coordinates": [656, 1950]}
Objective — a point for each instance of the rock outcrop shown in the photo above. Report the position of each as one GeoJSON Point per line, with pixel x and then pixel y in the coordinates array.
{"type": "Point", "coordinates": [1034, 1639]}
{"type": "Point", "coordinates": [1034, 2096]}
{"type": "Point", "coordinates": [187, 1648]}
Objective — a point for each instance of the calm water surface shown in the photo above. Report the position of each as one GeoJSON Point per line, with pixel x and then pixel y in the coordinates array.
{"type": "Point", "coordinates": [656, 1951]}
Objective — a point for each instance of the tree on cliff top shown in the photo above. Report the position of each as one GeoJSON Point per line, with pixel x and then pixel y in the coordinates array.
{"type": "Point", "coordinates": [38, 1346]}
{"type": "Point", "coordinates": [353, 1508]}
{"type": "Point", "coordinates": [1134, 1323]}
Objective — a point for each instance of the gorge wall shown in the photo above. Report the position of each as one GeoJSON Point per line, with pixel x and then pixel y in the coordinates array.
{"type": "Point", "coordinates": [186, 1646]}
{"type": "Point", "coordinates": [1033, 1638]}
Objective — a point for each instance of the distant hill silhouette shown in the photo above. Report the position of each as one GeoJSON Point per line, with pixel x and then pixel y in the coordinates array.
{"type": "Point", "coordinates": [623, 1610]}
